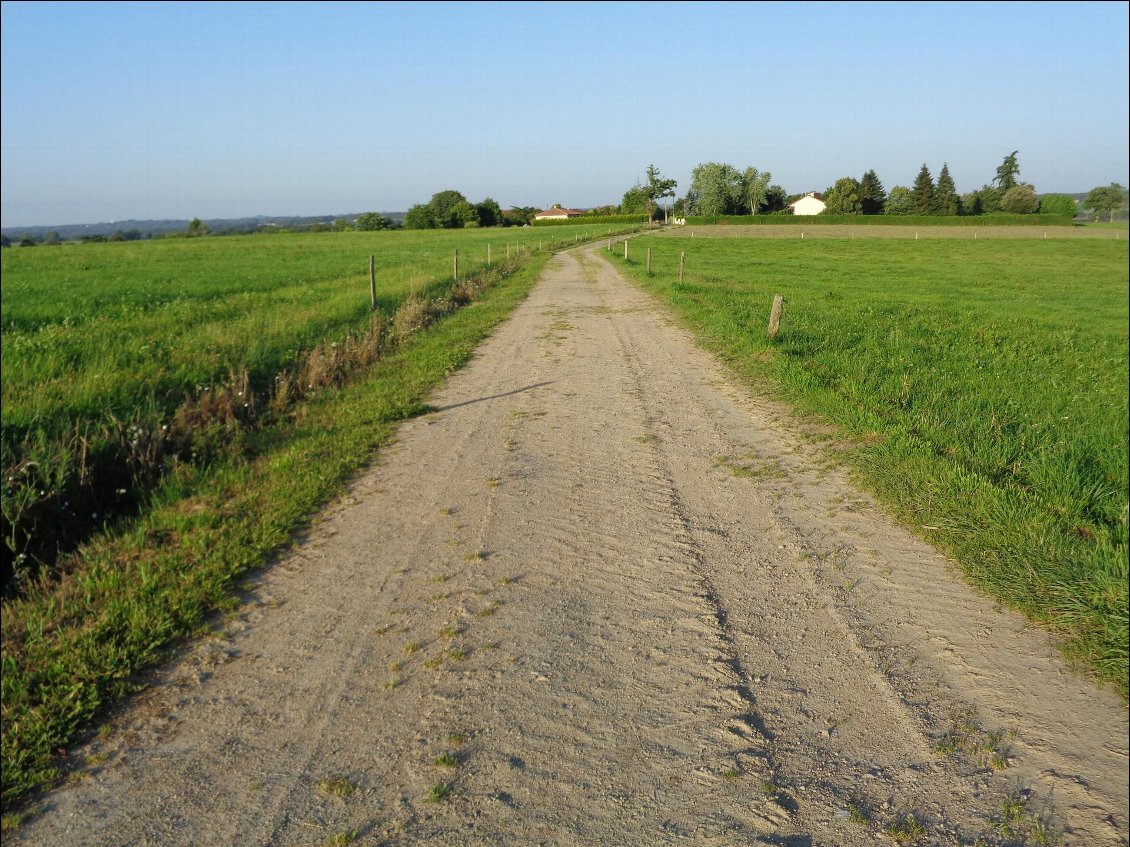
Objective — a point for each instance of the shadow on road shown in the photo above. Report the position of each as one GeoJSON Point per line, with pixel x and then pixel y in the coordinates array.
{"type": "Point", "coordinates": [492, 397]}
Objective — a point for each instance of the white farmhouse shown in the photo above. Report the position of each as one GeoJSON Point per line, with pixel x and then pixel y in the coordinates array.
{"type": "Point", "coordinates": [811, 203]}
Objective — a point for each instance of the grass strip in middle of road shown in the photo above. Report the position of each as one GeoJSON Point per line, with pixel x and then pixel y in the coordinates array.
{"type": "Point", "coordinates": [72, 647]}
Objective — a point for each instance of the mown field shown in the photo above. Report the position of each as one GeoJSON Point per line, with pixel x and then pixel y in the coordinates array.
{"type": "Point", "coordinates": [983, 384]}
{"type": "Point", "coordinates": [120, 356]}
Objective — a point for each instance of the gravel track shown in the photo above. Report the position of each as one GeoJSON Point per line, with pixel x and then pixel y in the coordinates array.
{"type": "Point", "coordinates": [633, 605]}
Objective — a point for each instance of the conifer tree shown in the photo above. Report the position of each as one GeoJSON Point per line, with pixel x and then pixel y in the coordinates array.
{"type": "Point", "coordinates": [871, 194]}
{"type": "Point", "coordinates": [1007, 173]}
{"type": "Point", "coordinates": [946, 200]}
{"type": "Point", "coordinates": [923, 194]}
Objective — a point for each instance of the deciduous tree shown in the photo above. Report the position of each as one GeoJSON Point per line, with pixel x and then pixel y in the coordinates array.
{"type": "Point", "coordinates": [776, 200]}
{"type": "Point", "coordinates": [419, 217]}
{"type": "Point", "coordinates": [450, 210]}
{"type": "Point", "coordinates": [1020, 200]}
{"type": "Point", "coordinates": [1106, 200]}
{"type": "Point", "coordinates": [715, 189]}
{"type": "Point", "coordinates": [899, 201]}
{"type": "Point", "coordinates": [755, 188]}
{"type": "Point", "coordinates": [371, 221]}
{"type": "Point", "coordinates": [634, 201]}
{"type": "Point", "coordinates": [843, 198]}
{"type": "Point", "coordinates": [490, 213]}
{"type": "Point", "coordinates": [657, 188]}
{"type": "Point", "coordinates": [1058, 204]}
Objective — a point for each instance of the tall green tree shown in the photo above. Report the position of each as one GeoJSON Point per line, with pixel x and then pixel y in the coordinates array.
{"type": "Point", "coordinates": [776, 200]}
{"type": "Point", "coordinates": [990, 197]}
{"type": "Point", "coordinates": [1106, 200]}
{"type": "Point", "coordinates": [844, 197]}
{"type": "Point", "coordinates": [657, 189]}
{"type": "Point", "coordinates": [419, 217]}
{"type": "Point", "coordinates": [872, 197]}
{"type": "Point", "coordinates": [196, 228]}
{"type": "Point", "coordinates": [924, 194]}
{"type": "Point", "coordinates": [634, 201]}
{"type": "Point", "coordinates": [1007, 173]}
{"type": "Point", "coordinates": [1020, 200]}
{"type": "Point", "coordinates": [755, 188]}
{"type": "Point", "coordinates": [451, 210]}
{"type": "Point", "coordinates": [490, 213]}
{"type": "Point", "coordinates": [900, 201]}
{"type": "Point", "coordinates": [715, 189]}
{"type": "Point", "coordinates": [519, 216]}
{"type": "Point", "coordinates": [1058, 204]}
{"type": "Point", "coordinates": [371, 221]}
{"type": "Point", "coordinates": [946, 200]}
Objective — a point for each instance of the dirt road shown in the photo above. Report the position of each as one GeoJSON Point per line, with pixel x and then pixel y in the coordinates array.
{"type": "Point", "coordinates": [601, 596]}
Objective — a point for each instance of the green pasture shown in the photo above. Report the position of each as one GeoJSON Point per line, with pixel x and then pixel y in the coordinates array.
{"type": "Point", "coordinates": [985, 383]}
{"type": "Point", "coordinates": [97, 329]}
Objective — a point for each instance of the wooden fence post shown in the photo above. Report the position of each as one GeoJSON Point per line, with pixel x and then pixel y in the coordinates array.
{"type": "Point", "coordinates": [775, 315]}
{"type": "Point", "coordinates": [682, 260]}
{"type": "Point", "coordinates": [488, 254]}
{"type": "Point", "coordinates": [626, 245]}
{"type": "Point", "coordinates": [649, 260]}
{"type": "Point", "coordinates": [455, 266]}
{"type": "Point", "coordinates": [372, 284]}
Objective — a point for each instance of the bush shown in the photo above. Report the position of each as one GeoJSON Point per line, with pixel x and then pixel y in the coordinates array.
{"type": "Point", "coordinates": [1020, 200]}
{"type": "Point", "coordinates": [1057, 204]}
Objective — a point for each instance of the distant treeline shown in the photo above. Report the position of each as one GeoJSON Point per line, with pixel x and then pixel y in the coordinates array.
{"type": "Point", "coordinates": [719, 190]}
{"type": "Point", "coordinates": [143, 230]}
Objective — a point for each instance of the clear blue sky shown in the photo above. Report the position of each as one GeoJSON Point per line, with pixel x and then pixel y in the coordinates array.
{"type": "Point", "coordinates": [168, 110]}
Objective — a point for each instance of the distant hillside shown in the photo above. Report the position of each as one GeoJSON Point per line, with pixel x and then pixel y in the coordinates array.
{"type": "Point", "coordinates": [141, 229]}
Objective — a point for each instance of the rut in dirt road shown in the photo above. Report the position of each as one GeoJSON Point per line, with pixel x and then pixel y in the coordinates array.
{"type": "Point", "coordinates": [600, 596]}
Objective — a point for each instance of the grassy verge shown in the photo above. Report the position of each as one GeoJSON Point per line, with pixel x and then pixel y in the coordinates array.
{"type": "Point", "coordinates": [983, 383]}
{"type": "Point", "coordinates": [70, 645]}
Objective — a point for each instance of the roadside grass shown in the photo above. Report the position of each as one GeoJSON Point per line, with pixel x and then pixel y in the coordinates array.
{"type": "Point", "coordinates": [72, 645]}
{"type": "Point", "coordinates": [979, 388]}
